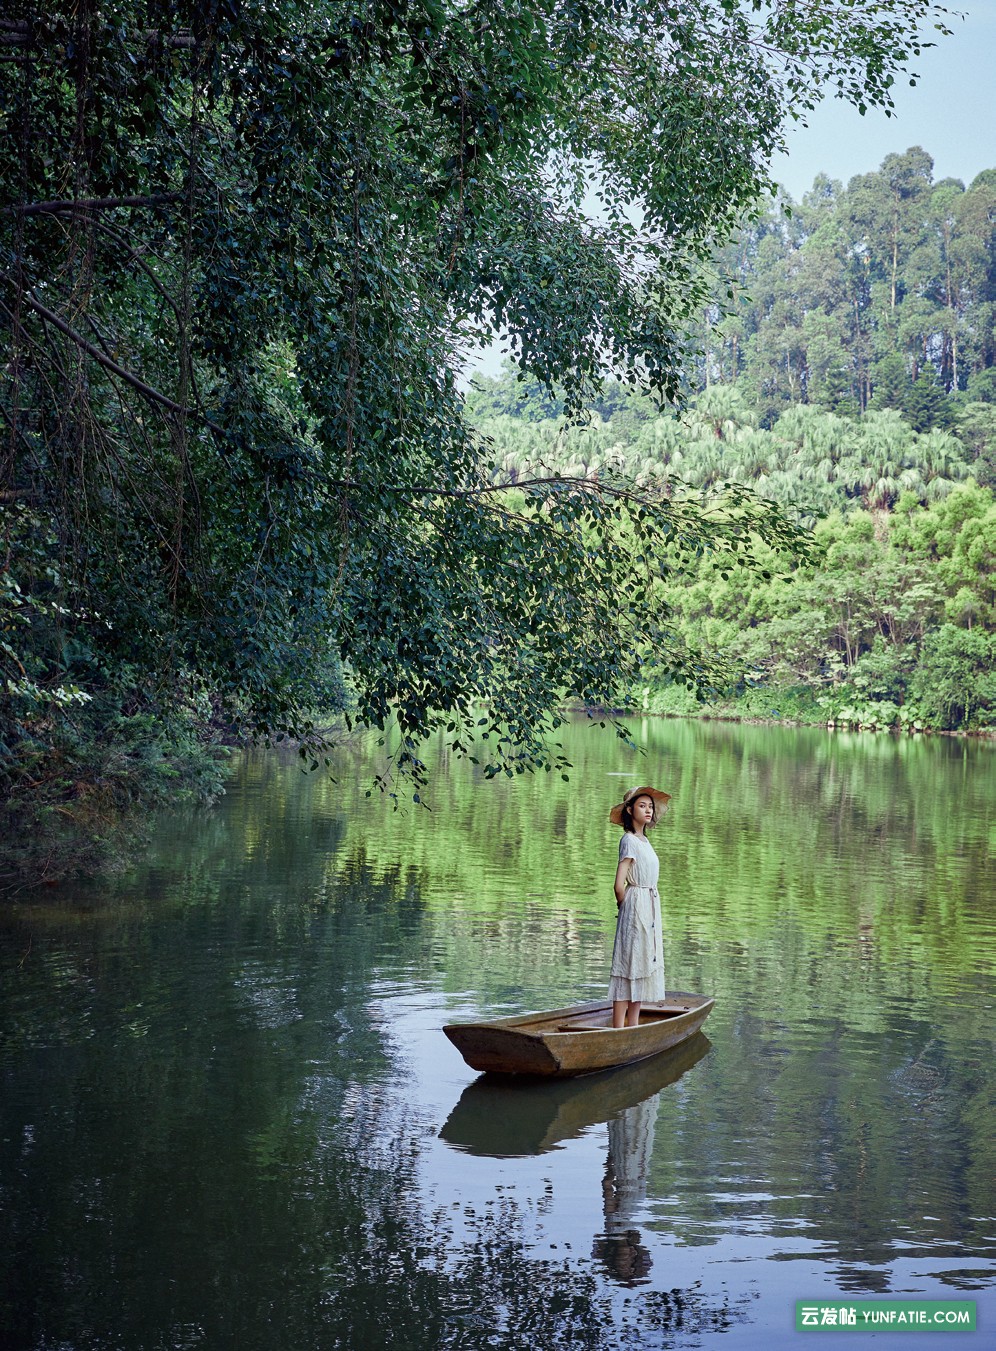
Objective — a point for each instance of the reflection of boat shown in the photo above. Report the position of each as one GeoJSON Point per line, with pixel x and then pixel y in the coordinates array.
{"type": "Point", "coordinates": [579, 1039]}
{"type": "Point", "coordinates": [495, 1118]}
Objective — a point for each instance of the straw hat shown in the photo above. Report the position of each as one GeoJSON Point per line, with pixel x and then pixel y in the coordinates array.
{"type": "Point", "coordinates": [660, 802]}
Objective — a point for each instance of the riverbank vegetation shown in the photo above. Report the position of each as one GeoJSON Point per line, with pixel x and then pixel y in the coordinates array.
{"type": "Point", "coordinates": [890, 622]}
{"type": "Point", "coordinates": [852, 381]}
{"type": "Point", "coordinates": [244, 249]}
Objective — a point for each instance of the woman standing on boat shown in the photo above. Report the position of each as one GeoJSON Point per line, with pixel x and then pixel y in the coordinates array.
{"type": "Point", "coordinates": [638, 953]}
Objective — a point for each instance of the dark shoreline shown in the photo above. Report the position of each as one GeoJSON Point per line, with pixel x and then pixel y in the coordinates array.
{"type": "Point", "coordinates": [750, 720]}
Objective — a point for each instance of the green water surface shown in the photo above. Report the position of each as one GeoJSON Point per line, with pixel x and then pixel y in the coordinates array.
{"type": "Point", "coordinates": [228, 1117]}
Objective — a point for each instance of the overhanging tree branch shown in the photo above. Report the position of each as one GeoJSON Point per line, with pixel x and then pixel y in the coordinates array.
{"type": "Point", "coordinates": [23, 33]}
{"type": "Point", "coordinates": [122, 373]}
{"type": "Point", "coordinates": [147, 391]}
{"type": "Point", "coordinates": [89, 204]}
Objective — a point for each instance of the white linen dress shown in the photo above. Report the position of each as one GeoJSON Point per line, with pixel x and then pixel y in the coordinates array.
{"type": "Point", "coordinates": [638, 952]}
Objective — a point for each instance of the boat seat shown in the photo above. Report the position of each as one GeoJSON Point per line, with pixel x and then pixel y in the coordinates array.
{"type": "Point", "coordinates": [650, 1016]}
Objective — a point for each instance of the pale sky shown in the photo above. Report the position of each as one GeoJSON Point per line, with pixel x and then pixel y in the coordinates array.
{"type": "Point", "coordinates": [951, 113]}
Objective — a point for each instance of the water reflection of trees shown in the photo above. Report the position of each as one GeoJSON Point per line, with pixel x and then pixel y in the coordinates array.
{"type": "Point", "coordinates": [186, 1057]}
{"type": "Point", "coordinates": [873, 844]}
{"type": "Point", "coordinates": [285, 1213]}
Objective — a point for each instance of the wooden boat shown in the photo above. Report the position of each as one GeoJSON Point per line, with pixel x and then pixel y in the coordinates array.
{"type": "Point", "coordinates": [579, 1039]}
{"type": "Point", "coordinates": [495, 1119]}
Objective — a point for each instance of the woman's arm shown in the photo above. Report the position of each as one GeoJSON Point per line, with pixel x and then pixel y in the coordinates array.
{"type": "Point", "coordinates": [622, 878]}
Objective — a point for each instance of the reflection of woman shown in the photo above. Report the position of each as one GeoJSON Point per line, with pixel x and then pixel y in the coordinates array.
{"type": "Point", "coordinates": [638, 953]}
{"type": "Point", "coordinates": [631, 1144]}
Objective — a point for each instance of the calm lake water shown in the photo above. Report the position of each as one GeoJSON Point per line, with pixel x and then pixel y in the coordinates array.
{"type": "Point", "coordinates": [228, 1117]}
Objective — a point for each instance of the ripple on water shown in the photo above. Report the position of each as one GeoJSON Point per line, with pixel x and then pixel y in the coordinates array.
{"type": "Point", "coordinates": [226, 1081]}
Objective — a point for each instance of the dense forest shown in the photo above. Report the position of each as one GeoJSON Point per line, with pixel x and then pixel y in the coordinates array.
{"type": "Point", "coordinates": [243, 249]}
{"type": "Point", "coordinates": [850, 378]}
{"type": "Point", "coordinates": [878, 295]}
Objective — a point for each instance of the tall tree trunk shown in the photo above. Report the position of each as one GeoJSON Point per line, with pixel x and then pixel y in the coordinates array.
{"type": "Point", "coordinates": [949, 301]}
{"type": "Point", "coordinates": [954, 353]}
{"type": "Point", "coordinates": [705, 348]}
{"type": "Point", "coordinates": [895, 252]}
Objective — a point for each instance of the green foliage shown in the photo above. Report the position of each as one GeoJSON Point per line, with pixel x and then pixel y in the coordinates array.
{"type": "Point", "coordinates": [905, 545]}
{"type": "Point", "coordinates": [955, 681]}
{"type": "Point", "coordinates": [977, 430]}
{"type": "Point", "coordinates": [925, 405]}
{"type": "Point", "coordinates": [810, 462]}
{"type": "Point", "coordinates": [513, 394]}
{"type": "Point", "coordinates": [879, 295]}
{"type": "Point", "coordinates": [243, 248]}
{"type": "Point", "coordinates": [870, 627]}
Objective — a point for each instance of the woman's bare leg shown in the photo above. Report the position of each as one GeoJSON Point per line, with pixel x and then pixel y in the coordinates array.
{"type": "Point", "coordinates": [625, 1013]}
